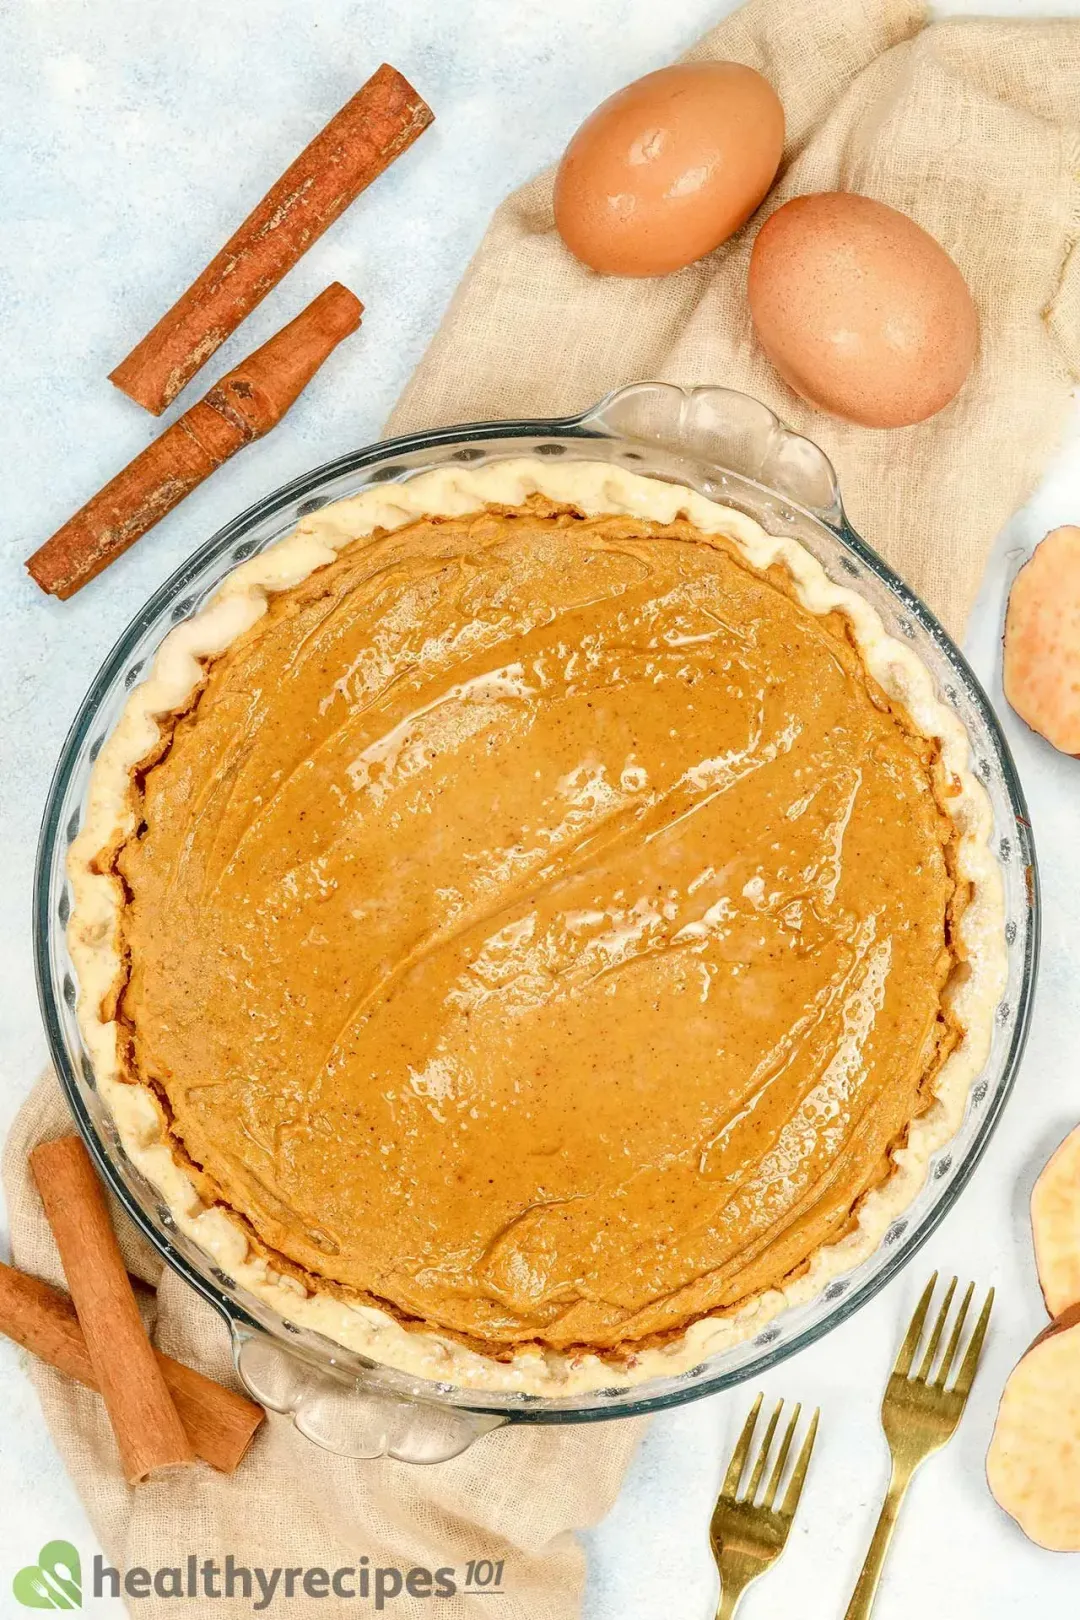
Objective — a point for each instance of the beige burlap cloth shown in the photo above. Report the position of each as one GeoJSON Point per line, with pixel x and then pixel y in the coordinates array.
{"type": "Point", "coordinates": [972, 128]}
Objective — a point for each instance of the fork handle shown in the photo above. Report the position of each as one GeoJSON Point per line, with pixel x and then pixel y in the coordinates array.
{"type": "Point", "coordinates": [862, 1599]}
{"type": "Point", "coordinates": [730, 1592]}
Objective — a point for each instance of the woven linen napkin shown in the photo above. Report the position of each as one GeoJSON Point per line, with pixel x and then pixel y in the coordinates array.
{"type": "Point", "coordinates": [972, 128]}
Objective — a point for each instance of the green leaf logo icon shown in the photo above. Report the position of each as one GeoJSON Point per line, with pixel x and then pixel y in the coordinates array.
{"type": "Point", "coordinates": [54, 1582]}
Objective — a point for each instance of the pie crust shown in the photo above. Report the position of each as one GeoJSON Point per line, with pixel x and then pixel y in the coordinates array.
{"type": "Point", "coordinates": [592, 489]}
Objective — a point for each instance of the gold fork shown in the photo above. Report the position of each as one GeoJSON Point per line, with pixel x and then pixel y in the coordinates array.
{"type": "Point", "coordinates": [746, 1538]}
{"type": "Point", "coordinates": [919, 1415]}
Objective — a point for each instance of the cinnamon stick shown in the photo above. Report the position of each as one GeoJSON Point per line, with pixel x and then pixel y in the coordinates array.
{"type": "Point", "coordinates": [244, 405]}
{"type": "Point", "coordinates": [219, 1423]}
{"type": "Point", "coordinates": [380, 122]}
{"type": "Point", "coordinates": [147, 1426]}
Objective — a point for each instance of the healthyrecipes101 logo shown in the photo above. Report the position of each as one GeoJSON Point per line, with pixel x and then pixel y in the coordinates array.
{"type": "Point", "coordinates": [55, 1581]}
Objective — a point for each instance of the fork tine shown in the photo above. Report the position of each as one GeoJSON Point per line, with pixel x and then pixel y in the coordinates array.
{"type": "Point", "coordinates": [763, 1454]}
{"type": "Point", "coordinates": [778, 1470]}
{"type": "Point", "coordinates": [970, 1362]}
{"type": "Point", "coordinates": [954, 1339]}
{"type": "Point", "coordinates": [741, 1452]}
{"type": "Point", "coordinates": [935, 1337]}
{"type": "Point", "coordinates": [794, 1490]}
{"type": "Point", "coordinates": [914, 1332]}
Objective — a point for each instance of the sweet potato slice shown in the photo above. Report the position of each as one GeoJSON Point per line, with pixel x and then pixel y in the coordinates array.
{"type": "Point", "coordinates": [1041, 672]}
{"type": "Point", "coordinates": [1055, 1225]}
{"type": "Point", "coordinates": [1033, 1465]}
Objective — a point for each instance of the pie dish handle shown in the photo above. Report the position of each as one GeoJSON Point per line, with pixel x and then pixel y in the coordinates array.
{"type": "Point", "coordinates": [345, 1416]}
{"type": "Point", "coordinates": [725, 429]}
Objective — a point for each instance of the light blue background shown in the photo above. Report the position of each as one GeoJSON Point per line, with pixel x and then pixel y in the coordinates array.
{"type": "Point", "coordinates": [135, 135]}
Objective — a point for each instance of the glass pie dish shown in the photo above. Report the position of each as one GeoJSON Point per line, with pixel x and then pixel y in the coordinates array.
{"type": "Point", "coordinates": [731, 449]}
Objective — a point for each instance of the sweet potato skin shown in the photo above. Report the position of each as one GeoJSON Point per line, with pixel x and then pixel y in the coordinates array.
{"type": "Point", "coordinates": [1033, 1464]}
{"type": "Point", "coordinates": [1055, 1226]}
{"type": "Point", "coordinates": [1041, 661]}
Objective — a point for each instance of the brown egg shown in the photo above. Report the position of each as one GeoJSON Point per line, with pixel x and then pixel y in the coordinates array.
{"type": "Point", "coordinates": [860, 310]}
{"type": "Point", "coordinates": [665, 170]}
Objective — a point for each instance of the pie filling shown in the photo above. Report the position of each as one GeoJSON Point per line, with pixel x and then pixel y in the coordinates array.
{"type": "Point", "coordinates": [538, 926]}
